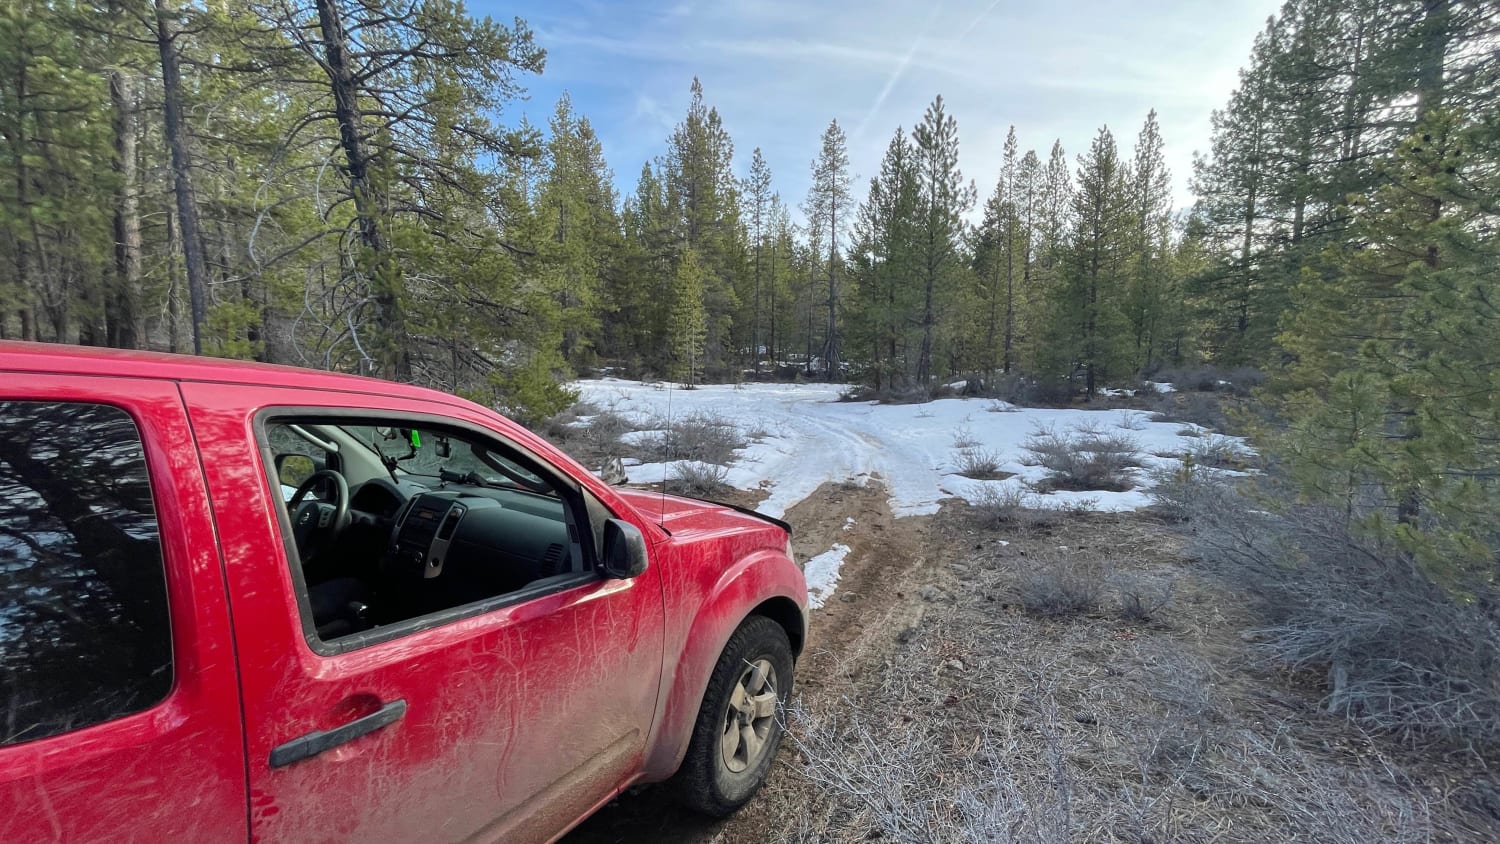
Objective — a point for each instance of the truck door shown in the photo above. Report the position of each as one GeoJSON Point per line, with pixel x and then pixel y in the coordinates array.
{"type": "Point", "coordinates": [397, 688]}
{"type": "Point", "coordinates": [119, 705]}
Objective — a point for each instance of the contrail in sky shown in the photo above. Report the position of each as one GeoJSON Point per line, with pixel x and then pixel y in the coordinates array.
{"type": "Point", "coordinates": [900, 70]}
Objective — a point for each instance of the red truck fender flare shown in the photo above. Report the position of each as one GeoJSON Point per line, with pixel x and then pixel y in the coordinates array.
{"type": "Point", "coordinates": [757, 583]}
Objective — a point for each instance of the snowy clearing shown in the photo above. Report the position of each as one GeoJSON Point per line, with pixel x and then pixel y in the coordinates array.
{"type": "Point", "coordinates": [810, 438]}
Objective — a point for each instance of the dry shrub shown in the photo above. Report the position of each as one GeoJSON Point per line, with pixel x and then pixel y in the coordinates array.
{"type": "Point", "coordinates": [900, 781]}
{"type": "Point", "coordinates": [1220, 452]}
{"type": "Point", "coordinates": [1206, 379]}
{"type": "Point", "coordinates": [701, 437]}
{"type": "Point", "coordinates": [604, 431]}
{"type": "Point", "coordinates": [963, 438]}
{"type": "Point", "coordinates": [980, 464]}
{"type": "Point", "coordinates": [1089, 459]}
{"type": "Point", "coordinates": [1060, 585]}
{"type": "Point", "coordinates": [1395, 650]}
{"type": "Point", "coordinates": [888, 395]}
{"type": "Point", "coordinates": [999, 507]}
{"type": "Point", "coordinates": [1007, 751]}
{"type": "Point", "coordinates": [1205, 409]}
{"type": "Point", "coordinates": [697, 480]}
{"type": "Point", "coordinates": [1173, 491]}
{"type": "Point", "coordinates": [592, 441]}
{"type": "Point", "coordinates": [562, 426]}
{"type": "Point", "coordinates": [1140, 600]}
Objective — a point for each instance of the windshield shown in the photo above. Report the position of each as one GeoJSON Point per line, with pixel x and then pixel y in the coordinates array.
{"type": "Point", "coordinates": [427, 452]}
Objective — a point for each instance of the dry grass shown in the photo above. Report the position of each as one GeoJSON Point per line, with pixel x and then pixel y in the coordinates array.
{"type": "Point", "coordinates": [991, 725]}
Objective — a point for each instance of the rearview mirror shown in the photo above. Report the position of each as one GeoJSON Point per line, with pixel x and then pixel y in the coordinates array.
{"type": "Point", "coordinates": [624, 549]}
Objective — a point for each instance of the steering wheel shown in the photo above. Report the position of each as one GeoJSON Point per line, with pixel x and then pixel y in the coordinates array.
{"type": "Point", "coordinates": [316, 523]}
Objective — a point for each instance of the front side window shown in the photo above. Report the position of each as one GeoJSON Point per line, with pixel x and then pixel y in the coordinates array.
{"type": "Point", "coordinates": [84, 632]}
{"type": "Point", "coordinates": [418, 521]}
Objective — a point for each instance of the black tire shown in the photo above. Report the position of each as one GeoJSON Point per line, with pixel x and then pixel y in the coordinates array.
{"type": "Point", "coordinates": [705, 782]}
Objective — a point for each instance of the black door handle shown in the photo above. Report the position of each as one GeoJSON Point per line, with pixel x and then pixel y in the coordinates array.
{"type": "Point", "coordinates": [316, 742]}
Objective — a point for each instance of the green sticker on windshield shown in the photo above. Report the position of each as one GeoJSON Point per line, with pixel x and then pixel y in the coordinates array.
{"type": "Point", "coordinates": [416, 438]}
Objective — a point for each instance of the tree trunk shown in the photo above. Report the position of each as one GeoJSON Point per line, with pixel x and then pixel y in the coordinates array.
{"type": "Point", "coordinates": [182, 181]}
{"type": "Point", "coordinates": [1010, 296]}
{"type": "Point", "coordinates": [385, 277]}
{"type": "Point", "coordinates": [1436, 32]}
{"type": "Point", "coordinates": [755, 311]}
{"type": "Point", "coordinates": [831, 339]}
{"type": "Point", "coordinates": [122, 310]}
{"type": "Point", "coordinates": [771, 338]}
{"type": "Point", "coordinates": [924, 355]}
{"type": "Point", "coordinates": [174, 339]}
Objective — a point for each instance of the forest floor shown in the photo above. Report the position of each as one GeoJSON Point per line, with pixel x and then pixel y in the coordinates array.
{"type": "Point", "coordinates": [936, 701]}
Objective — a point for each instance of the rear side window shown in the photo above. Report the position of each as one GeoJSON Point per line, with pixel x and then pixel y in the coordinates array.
{"type": "Point", "coordinates": [84, 635]}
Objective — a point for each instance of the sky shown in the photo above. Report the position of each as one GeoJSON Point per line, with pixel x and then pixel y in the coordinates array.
{"type": "Point", "coordinates": [779, 70]}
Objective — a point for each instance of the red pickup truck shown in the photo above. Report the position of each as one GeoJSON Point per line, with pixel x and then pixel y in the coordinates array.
{"type": "Point", "coordinates": [241, 601]}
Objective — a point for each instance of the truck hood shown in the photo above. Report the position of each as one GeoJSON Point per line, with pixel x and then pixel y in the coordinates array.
{"type": "Point", "coordinates": [681, 515]}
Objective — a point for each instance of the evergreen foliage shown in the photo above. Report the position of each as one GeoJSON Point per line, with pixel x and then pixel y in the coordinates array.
{"type": "Point", "coordinates": [334, 184]}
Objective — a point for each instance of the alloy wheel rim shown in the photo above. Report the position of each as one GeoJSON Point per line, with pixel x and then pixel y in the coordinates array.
{"type": "Point", "coordinates": [749, 717]}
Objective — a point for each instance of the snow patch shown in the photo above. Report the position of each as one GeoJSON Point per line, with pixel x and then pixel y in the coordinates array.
{"type": "Point", "coordinates": [822, 573]}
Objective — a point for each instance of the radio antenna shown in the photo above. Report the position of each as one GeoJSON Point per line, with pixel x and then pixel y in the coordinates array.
{"type": "Point", "coordinates": [666, 467]}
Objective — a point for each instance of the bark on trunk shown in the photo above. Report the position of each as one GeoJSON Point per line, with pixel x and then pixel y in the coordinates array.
{"type": "Point", "coordinates": [182, 181]}
{"type": "Point", "coordinates": [122, 310]}
{"type": "Point", "coordinates": [384, 276]}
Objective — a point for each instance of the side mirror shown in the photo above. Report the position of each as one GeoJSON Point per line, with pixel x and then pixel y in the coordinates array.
{"type": "Point", "coordinates": [293, 469]}
{"type": "Point", "coordinates": [624, 549]}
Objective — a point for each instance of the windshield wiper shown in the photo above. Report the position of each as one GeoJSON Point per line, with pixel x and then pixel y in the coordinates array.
{"type": "Point", "coordinates": [449, 476]}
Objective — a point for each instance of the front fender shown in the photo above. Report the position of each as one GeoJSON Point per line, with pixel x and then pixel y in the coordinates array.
{"type": "Point", "coordinates": [751, 582]}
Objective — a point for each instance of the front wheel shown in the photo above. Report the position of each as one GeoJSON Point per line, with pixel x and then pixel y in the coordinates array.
{"type": "Point", "coordinates": [739, 726]}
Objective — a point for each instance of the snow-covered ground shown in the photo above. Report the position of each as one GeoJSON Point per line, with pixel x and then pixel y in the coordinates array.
{"type": "Point", "coordinates": [808, 437]}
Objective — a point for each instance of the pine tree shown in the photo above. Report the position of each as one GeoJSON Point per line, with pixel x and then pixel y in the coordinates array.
{"type": "Point", "coordinates": [827, 210]}
{"type": "Point", "coordinates": [705, 194]}
{"type": "Point", "coordinates": [1151, 286]}
{"type": "Point", "coordinates": [943, 197]}
{"type": "Point", "coordinates": [1029, 301]}
{"type": "Point", "coordinates": [757, 191]}
{"type": "Point", "coordinates": [882, 261]}
{"type": "Point", "coordinates": [1001, 255]}
{"type": "Point", "coordinates": [782, 245]}
{"type": "Point", "coordinates": [1231, 184]}
{"type": "Point", "coordinates": [52, 201]}
{"type": "Point", "coordinates": [580, 236]}
{"type": "Point", "coordinates": [686, 330]}
{"type": "Point", "coordinates": [1087, 326]}
{"type": "Point", "coordinates": [1405, 330]}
